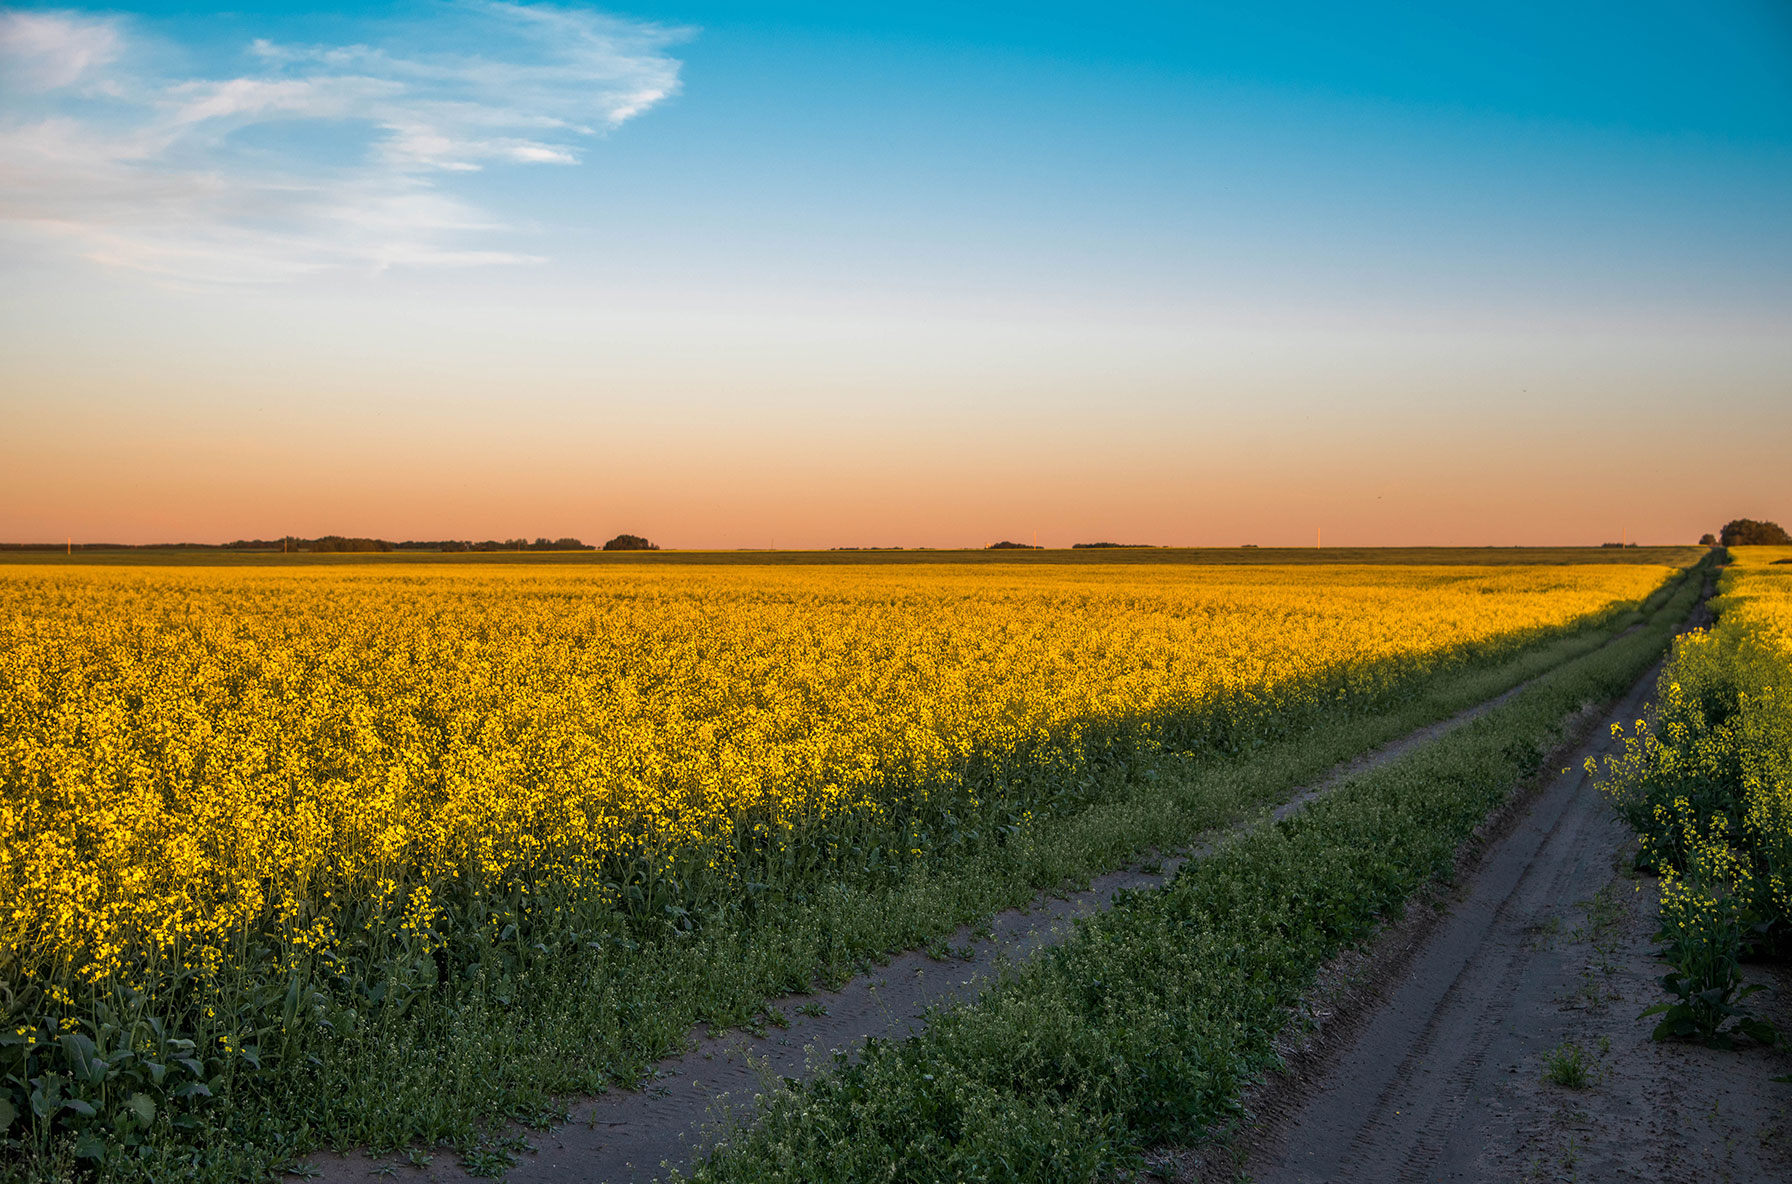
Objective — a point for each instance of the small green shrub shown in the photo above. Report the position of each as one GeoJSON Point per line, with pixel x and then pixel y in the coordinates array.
{"type": "Point", "coordinates": [1566, 1065]}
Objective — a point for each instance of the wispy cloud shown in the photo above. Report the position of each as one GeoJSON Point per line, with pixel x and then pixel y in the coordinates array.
{"type": "Point", "coordinates": [308, 157]}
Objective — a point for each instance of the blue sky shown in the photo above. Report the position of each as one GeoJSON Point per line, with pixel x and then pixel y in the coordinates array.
{"type": "Point", "coordinates": [916, 234]}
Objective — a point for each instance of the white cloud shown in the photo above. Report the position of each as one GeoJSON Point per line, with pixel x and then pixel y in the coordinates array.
{"type": "Point", "coordinates": [316, 157]}
{"type": "Point", "coordinates": [51, 50]}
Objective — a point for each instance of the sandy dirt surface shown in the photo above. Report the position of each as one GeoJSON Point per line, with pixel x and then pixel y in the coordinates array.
{"type": "Point", "coordinates": [1430, 1054]}
{"type": "Point", "coordinates": [693, 1098]}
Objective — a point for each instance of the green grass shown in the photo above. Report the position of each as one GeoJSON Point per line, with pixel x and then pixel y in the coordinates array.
{"type": "Point", "coordinates": [523, 1025]}
{"type": "Point", "coordinates": [1147, 1024]}
{"type": "Point", "coordinates": [1568, 1066]}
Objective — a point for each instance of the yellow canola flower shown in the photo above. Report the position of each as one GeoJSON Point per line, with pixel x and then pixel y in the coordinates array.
{"type": "Point", "coordinates": [193, 760]}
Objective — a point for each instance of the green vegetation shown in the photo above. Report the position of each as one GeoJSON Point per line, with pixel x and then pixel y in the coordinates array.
{"type": "Point", "coordinates": [1144, 1027]}
{"type": "Point", "coordinates": [1708, 789]}
{"type": "Point", "coordinates": [1567, 1065]}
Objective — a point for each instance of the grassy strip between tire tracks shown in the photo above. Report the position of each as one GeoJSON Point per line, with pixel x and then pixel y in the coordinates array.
{"type": "Point", "coordinates": [1145, 1025]}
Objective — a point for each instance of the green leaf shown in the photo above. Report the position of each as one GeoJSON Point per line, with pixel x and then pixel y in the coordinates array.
{"type": "Point", "coordinates": [1759, 1030]}
{"type": "Point", "coordinates": [289, 1009]}
{"type": "Point", "coordinates": [8, 1114]}
{"type": "Point", "coordinates": [142, 1108]}
{"type": "Point", "coordinates": [80, 1106]}
{"type": "Point", "coordinates": [47, 1096]}
{"type": "Point", "coordinates": [82, 1056]}
{"type": "Point", "coordinates": [90, 1146]}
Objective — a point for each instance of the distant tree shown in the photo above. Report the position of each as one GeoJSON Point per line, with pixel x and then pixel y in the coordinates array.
{"type": "Point", "coordinates": [630, 542]}
{"type": "Point", "coordinates": [336, 542]}
{"type": "Point", "coordinates": [1746, 532]}
{"type": "Point", "coordinates": [1707, 540]}
{"type": "Point", "coordinates": [1115, 546]}
{"type": "Point", "coordinates": [1005, 545]}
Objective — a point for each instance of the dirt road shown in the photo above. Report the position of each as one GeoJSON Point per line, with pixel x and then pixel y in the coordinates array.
{"type": "Point", "coordinates": [1433, 1066]}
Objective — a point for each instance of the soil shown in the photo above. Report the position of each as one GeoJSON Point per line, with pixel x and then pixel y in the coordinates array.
{"type": "Point", "coordinates": [1428, 1056]}
{"type": "Point", "coordinates": [697, 1097]}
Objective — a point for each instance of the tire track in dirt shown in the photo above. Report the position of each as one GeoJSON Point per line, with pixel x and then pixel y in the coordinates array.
{"type": "Point", "coordinates": [693, 1098]}
{"type": "Point", "coordinates": [1407, 1085]}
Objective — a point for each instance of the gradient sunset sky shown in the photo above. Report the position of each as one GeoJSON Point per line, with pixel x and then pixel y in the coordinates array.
{"type": "Point", "coordinates": [924, 274]}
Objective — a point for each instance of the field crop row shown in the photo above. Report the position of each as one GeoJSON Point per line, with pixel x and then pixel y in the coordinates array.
{"type": "Point", "coordinates": [272, 836]}
{"type": "Point", "coordinates": [1708, 787]}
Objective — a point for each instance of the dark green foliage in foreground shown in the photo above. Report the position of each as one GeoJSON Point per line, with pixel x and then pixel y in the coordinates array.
{"type": "Point", "coordinates": [1144, 1027]}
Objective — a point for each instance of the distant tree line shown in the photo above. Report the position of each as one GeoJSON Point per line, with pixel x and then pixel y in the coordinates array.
{"type": "Point", "coordinates": [1746, 532]}
{"type": "Point", "coordinates": [1125, 546]}
{"type": "Point", "coordinates": [346, 543]}
{"type": "Point", "coordinates": [1005, 545]}
{"type": "Point", "coordinates": [337, 543]}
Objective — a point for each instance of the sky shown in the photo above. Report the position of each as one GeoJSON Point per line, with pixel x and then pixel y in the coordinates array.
{"type": "Point", "coordinates": [810, 275]}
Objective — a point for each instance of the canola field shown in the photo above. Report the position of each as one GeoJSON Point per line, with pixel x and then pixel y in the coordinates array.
{"type": "Point", "coordinates": [1708, 787]}
{"type": "Point", "coordinates": [220, 785]}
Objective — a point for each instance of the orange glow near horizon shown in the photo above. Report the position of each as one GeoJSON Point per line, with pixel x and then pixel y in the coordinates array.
{"type": "Point", "coordinates": [801, 431]}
